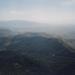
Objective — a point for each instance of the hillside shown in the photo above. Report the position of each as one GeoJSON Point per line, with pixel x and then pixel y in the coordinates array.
{"type": "Point", "coordinates": [34, 53]}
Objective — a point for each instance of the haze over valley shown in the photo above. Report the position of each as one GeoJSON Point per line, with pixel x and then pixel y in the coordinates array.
{"type": "Point", "coordinates": [34, 51]}
{"type": "Point", "coordinates": [37, 37]}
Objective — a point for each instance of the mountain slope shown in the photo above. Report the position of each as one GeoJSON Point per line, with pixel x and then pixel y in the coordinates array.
{"type": "Point", "coordinates": [35, 53]}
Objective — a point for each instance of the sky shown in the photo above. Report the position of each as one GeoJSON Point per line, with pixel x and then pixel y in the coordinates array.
{"type": "Point", "coordinates": [41, 11]}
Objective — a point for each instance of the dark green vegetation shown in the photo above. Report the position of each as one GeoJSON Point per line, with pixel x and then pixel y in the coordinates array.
{"type": "Point", "coordinates": [35, 54]}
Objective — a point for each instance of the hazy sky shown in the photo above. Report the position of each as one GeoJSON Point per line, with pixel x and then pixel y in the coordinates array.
{"type": "Point", "coordinates": [43, 11]}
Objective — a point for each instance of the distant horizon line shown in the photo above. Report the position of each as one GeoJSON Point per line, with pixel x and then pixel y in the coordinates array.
{"type": "Point", "coordinates": [32, 22]}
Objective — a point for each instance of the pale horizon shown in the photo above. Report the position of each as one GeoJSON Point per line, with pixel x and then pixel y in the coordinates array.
{"type": "Point", "coordinates": [42, 11]}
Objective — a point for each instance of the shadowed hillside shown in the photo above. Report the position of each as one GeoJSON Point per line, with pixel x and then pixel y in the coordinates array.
{"type": "Point", "coordinates": [36, 53]}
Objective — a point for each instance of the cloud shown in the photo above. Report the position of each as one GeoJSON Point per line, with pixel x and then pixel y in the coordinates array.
{"type": "Point", "coordinates": [50, 16]}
